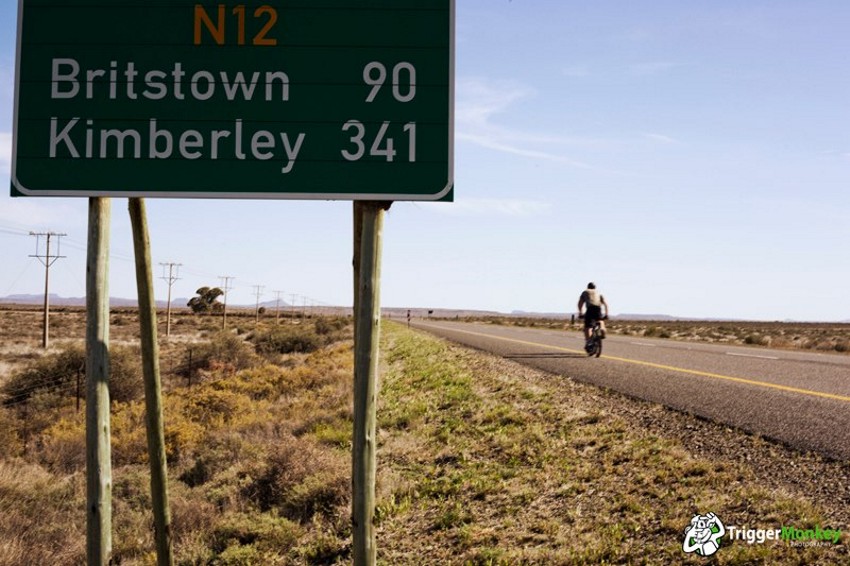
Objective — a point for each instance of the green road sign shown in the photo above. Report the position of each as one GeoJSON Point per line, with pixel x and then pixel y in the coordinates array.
{"type": "Point", "coordinates": [297, 99]}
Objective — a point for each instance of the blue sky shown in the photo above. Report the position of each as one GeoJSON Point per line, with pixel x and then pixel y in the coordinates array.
{"type": "Point", "coordinates": [691, 158]}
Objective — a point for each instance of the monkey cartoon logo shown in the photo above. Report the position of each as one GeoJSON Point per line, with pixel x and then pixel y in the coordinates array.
{"type": "Point", "coordinates": [703, 534]}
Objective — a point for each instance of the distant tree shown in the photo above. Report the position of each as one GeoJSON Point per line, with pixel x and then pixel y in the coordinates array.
{"type": "Point", "coordinates": [207, 301]}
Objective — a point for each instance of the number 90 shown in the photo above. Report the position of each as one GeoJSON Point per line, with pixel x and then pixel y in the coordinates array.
{"type": "Point", "coordinates": [375, 74]}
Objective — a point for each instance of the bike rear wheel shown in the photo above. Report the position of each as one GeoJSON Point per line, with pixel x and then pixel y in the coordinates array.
{"type": "Point", "coordinates": [594, 347]}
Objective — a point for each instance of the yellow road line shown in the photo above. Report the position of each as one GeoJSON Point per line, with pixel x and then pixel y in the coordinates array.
{"type": "Point", "coordinates": [769, 385]}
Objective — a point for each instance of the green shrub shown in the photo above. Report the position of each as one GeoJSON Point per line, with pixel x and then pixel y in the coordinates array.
{"type": "Point", "coordinates": [125, 374]}
{"type": "Point", "coordinates": [58, 373]}
{"type": "Point", "coordinates": [223, 350]}
{"type": "Point", "coordinates": [53, 373]}
{"type": "Point", "coordinates": [286, 340]}
{"type": "Point", "coordinates": [262, 531]}
{"type": "Point", "coordinates": [328, 325]}
{"type": "Point", "coordinates": [239, 555]}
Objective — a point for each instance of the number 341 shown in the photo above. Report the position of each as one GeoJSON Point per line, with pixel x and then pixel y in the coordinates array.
{"type": "Point", "coordinates": [382, 145]}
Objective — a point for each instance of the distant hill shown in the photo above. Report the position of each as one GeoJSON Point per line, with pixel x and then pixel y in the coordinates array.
{"type": "Point", "coordinates": [659, 317]}
{"type": "Point", "coordinates": [56, 300]}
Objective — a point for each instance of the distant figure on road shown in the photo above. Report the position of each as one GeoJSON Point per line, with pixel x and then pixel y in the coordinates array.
{"type": "Point", "coordinates": [593, 301]}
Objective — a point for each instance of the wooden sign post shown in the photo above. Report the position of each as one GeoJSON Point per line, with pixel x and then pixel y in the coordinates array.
{"type": "Point", "coordinates": [153, 387]}
{"type": "Point", "coordinates": [98, 450]}
{"type": "Point", "coordinates": [368, 234]}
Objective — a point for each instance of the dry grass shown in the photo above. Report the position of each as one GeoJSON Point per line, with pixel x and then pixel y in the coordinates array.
{"type": "Point", "coordinates": [42, 522]}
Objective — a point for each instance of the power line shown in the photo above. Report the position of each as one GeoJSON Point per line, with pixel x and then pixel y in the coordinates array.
{"type": "Point", "coordinates": [170, 279]}
{"type": "Point", "coordinates": [277, 306]}
{"type": "Point", "coordinates": [258, 291]}
{"type": "Point", "coordinates": [225, 286]}
{"type": "Point", "coordinates": [47, 260]}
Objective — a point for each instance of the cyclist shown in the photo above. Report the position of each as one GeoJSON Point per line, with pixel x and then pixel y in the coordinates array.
{"type": "Point", "coordinates": [593, 301]}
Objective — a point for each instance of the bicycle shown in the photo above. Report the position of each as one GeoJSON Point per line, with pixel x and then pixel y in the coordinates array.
{"type": "Point", "coordinates": [593, 346]}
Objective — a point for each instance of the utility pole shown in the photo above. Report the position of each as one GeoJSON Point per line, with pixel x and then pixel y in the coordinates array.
{"type": "Point", "coordinates": [47, 260]}
{"type": "Point", "coordinates": [277, 307]}
{"type": "Point", "coordinates": [225, 286]}
{"type": "Point", "coordinates": [170, 279]}
{"type": "Point", "coordinates": [258, 291]}
{"type": "Point", "coordinates": [292, 303]}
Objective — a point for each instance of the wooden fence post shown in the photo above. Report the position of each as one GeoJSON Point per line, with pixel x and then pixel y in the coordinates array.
{"type": "Point", "coordinates": [368, 227]}
{"type": "Point", "coordinates": [98, 451]}
{"type": "Point", "coordinates": [153, 387]}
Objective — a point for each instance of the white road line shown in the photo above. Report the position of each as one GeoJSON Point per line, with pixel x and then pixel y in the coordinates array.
{"type": "Point", "coordinates": [643, 344]}
{"type": "Point", "coordinates": [752, 356]}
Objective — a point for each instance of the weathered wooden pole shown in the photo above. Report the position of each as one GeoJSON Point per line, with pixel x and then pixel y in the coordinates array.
{"type": "Point", "coordinates": [45, 332]}
{"type": "Point", "coordinates": [153, 387]}
{"type": "Point", "coordinates": [368, 228]}
{"type": "Point", "coordinates": [98, 452]}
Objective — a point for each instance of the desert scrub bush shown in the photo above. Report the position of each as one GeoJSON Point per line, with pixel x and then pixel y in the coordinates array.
{"type": "Point", "coordinates": [333, 329]}
{"type": "Point", "coordinates": [133, 539]}
{"type": "Point", "coordinates": [182, 435]}
{"type": "Point", "coordinates": [223, 351]}
{"type": "Point", "coordinates": [198, 414]}
{"type": "Point", "coordinates": [263, 382]}
{"type": "Point", "coordinates": [192, 521]}
{"type": "Point", "coordinates": [286, 340]}
{"type": "Point", "coordinates": [264, 532]}
{"type": "Point", "coordinates": [129, 434]}
{"type": "Point", "coordinates": [10, 439]}
{"type": "Point", "coordinates": [63, 446]}
{"type": "Point", "coordinates": [301, 480]}
{"type": "Point", "coordinates": [58, 373]}
{"type": "Point", "coordinates": [39, 511]}
{"type": "Point", "coordinates": [757, 340]}
{"type": "Point", "coordinates": [53, 373]}
{"type": "Point", "coordinates": [219, 451]}
{"type": "Point", "coordinates": [215, 407]}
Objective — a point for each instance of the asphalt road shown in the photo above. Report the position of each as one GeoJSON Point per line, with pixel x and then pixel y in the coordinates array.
{"type": "Point", "coordinates": [800, 399]}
